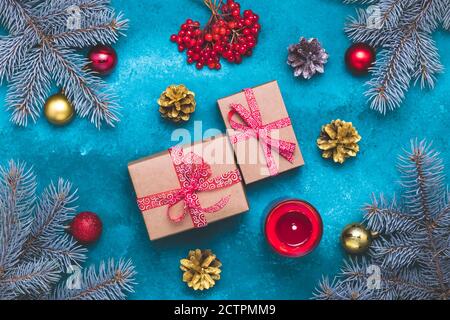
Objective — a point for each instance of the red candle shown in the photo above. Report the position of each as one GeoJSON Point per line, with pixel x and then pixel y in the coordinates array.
{"type": "Point", "coordinates": [293, 228]}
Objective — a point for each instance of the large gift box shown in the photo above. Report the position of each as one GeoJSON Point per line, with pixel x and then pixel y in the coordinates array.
{"type": "Point", "coordinates": [188, 187]}
{"type": "Point", "coordinates": [261, 132]}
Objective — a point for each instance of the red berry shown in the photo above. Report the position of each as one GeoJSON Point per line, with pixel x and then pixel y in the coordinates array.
{"type": "Point", "coordinates": [190, 60]}
{"type": "Point", "coordinates": [231, 24]}
{"type": "Point", "coordinates": [181, 48]}
{"type": "Point", "coordinates": [236, 13]}
{"type": "Point", "coordinates": [208, 37]}
{"type": "Point", "coordinates": [199, 65]}
{"type": "Point", "coordinates": [248, 13]}
{"type": "Point", "coordinates": [174, 38]}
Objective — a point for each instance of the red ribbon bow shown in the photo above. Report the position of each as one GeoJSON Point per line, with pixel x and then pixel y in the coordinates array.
{"type": "Point", "coordinates": [253, 127]}
{"type": "Point", "coordinates": [194, 176]}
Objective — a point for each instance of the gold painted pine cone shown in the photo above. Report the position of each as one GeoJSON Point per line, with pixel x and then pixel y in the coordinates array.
{"type": "Point", "coordinates": [201, 269]}
{"type": "Point", "coordinates": [177, 103]}
{"type": "Point", "coordinates": [339, 140]}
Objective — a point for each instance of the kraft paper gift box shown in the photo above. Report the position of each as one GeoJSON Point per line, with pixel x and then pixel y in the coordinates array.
{"type": "Point", "coordinates": [257, 123]}
{"type": "Point", "coordinates": [218, 187]}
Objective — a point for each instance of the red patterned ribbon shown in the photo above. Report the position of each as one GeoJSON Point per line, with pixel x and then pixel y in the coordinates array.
{"type": "Point", "coordinates": [194, 175]}
{"type": "Point", "coordinates": [253, 127]}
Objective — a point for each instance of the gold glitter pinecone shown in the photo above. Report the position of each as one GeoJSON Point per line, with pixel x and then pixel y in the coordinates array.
{"type": "Point", "coordinates": [177, 103]}
{"type": "Point", "coordinates": [339, 139]}
{"type": "Point", "coordinates": [201, 269]}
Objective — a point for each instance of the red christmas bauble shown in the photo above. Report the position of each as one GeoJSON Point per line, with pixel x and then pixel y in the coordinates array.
{"type": "Point", "coordinates": [102, 59]}
{"type": "Point", "coordinates": [359, 58]}
{"type": "Point", "coordinates": [86, 227]}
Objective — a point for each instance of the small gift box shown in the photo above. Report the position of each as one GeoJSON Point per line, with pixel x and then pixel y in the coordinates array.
{"type": "Point", "coordinates": [261, 132]}
{"type": "Point", "coordinates": [188, 187]}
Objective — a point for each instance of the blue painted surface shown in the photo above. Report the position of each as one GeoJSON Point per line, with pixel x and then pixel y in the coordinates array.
{"type": "Point", "coordinates": [96, 161]}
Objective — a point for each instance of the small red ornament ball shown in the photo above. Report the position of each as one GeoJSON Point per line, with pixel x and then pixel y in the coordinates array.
{"type": "Point", "coordinates": [359, 58]}
{"type": "Point", "coordinates": [86, 227]}
{"type": "Point", "coordinates": [103, 59]}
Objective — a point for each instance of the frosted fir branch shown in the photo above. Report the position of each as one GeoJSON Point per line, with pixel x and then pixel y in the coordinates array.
{"type": "Point", "coordinates": [413, 250]}
{"type": "Point", "coordinates": [17, 187]}
{"type": "Point", "coordinates": [391, 76]}
{"type": "Point", "coordinates": [84, 89]}
{"type": "Point", "coordinates": [397, 251]}
{"type": "Point", "coordinates": [446, 18]}
{"type": "Point", "coordinates": [35, 250]}
{"type": "Point", "coordinates": [47, 232]}
{"type": "Point", "coordinates": [407, 52]}
{"type": "Point", "coordinates": [63, 249]}
{"type": "Point", "coordinates": [423, 179]}
{"type": "Point", "coordinates": [14, 15]}
{"type": "Point", "coordinates": [26, 56]}
{"type": "Point", "coordinates": [12, 54]}
{"type": "Point", "coordinates": [29, 278]}
{"type": "Point", "coordinates": [29, 87]}
{"type": "Point", "coordinates": [110, 282]}
{"type": "Point", "coordinates": [17, 190]}
{"type": "Point", "coordinates": [106, 33]}
{"type": "Point", "coordinates": [428, 61]}
{"type": "Point", "coordinates": [388, 218]}
{"type": "Point", "coordinates": [358, 31]}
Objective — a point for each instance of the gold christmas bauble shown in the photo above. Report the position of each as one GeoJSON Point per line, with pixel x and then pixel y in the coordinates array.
{"type": "Point", "coordinates": [356, 239]}
{"type": "Point", "coordinates": [58, 110]}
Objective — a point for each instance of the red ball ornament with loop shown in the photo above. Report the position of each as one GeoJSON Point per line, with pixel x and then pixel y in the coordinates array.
{"type": "Point", "coordinates": [103, 59]}
{"type": "Point", "coordinates": [359, 58]}
{"type": "Point", "coordinates": [86, 227]}
{"type": "Point", "coordinates": [293, 228]}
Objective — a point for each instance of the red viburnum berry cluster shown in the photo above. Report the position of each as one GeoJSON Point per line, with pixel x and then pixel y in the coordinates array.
{"type": "Point", "coordinates": [228, 34]}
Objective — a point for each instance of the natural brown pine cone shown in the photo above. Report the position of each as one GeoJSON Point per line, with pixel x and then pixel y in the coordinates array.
{"type": "Point", "coordinates": [339, 139]}
{"type": "Point", "coordinates": [201, 269]}
{"type": "Point", "coordinates": [177, 103]}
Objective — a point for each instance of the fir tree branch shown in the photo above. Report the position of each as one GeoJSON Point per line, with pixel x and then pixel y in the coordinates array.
{"type": "Point", "coordinates": [111, 281]}
{"type": "Point", "coordinates": [41, 27]}
{"type": "Point", "coordinates": [428, 64]}
{"type": "Point", "coordinates": [12, 53]}
{"type": "Point", "coordinates": [106, 33]}
{"type": "Point", "coordinates": [29, 88]}
{"type": "Point", "coordinates": [31, 278]}
{"type": "Point", "coordinates": [421, 159]}
{"type": "Point", "coordinates": [408, 52]}
{"type": "Point", "coordinates": [47, 236]}
{"type": "Point", "coordinates": [388, 219]}
{"type": "Point", "coordinates": [17, 187]}
{"type": "Point", "coordinates": [82, 89]}
{"type": "Point", "coordinates": [413, 250]}
{"type": "Point", "coordinates": [14, 15]}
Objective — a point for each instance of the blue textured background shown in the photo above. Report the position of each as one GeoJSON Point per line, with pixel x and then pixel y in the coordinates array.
{"type": "Point", "coordinates": [96, 161]}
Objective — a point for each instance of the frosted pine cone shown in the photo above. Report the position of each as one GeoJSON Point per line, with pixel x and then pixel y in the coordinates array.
{"type": "Point", "coordinates": [307, 57]}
